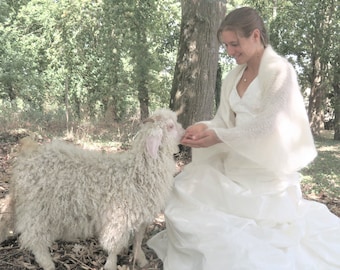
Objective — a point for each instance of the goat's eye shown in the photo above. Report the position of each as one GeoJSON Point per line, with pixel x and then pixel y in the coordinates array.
{"type": "Point", "coordinates": [171, 126]}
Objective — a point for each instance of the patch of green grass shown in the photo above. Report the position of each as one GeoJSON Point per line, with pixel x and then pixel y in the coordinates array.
{"type": "Point", "coordinates": [321, 179]}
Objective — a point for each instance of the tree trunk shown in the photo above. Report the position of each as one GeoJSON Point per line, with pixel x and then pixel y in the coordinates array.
{"type": "Point", "coordinates": [110, 115]}
{"type": "Point", "coordinates": [141, 56]}
{"type": "Point", "coordinates": [315, 112]}
{"type": "Point", "coordinates": [143, 97]}
{"type": "Point", "coordinates": [193, 88]}
{"type": "Point", "coordinates": [142, 71]}
{"type": "Point", "coordinates": [336, 87]}
{"type": "Point", "coordinates": [67, 104]}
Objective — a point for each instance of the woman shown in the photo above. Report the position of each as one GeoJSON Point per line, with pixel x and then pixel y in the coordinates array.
{"type": "Point", "coordinates": [238, 205]}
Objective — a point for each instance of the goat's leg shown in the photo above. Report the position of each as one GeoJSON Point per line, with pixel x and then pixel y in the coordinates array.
{"type": "Point", "coordinates": [111, 262]}
{"type": "Point", "coordinates": [43, 257]}
{"type": "Point", "coordinates": [113, 244]}
{"type": "Point", "coordinates": [6, 218]}
{"type": "Point", "coordinates": [138, 252]}
{"type": "Point", "coordinates": [35, 240]}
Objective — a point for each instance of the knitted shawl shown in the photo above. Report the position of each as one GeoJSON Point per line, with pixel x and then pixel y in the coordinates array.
{"type": "Point", "coordinates": [279, 137]}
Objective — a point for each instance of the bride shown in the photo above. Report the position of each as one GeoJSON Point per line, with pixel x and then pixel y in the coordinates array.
{"type": "Point", "coordinates": [238, 204]}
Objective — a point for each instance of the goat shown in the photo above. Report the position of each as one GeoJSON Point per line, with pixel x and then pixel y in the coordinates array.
{"type": "Point", "coordinates": [61, 192]}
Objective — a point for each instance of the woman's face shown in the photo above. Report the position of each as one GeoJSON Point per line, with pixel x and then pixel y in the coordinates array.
{"type": "Point", "coordinates": [241, 48]}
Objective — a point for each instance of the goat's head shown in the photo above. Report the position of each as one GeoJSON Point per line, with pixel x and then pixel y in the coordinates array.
{"type": "Point", "coordinates": [164, 129]}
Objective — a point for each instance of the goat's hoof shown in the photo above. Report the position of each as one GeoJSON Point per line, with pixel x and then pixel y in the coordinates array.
{"type": "Point", "coordinates": [124, 267]}
{"type": "Point", "coordinates": [142, 262]}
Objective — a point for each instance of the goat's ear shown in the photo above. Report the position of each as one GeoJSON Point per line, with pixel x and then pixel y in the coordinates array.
{"type": "Point", "coordinates": [153, 142]}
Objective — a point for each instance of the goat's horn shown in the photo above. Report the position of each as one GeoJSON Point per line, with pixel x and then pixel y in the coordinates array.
{"type": "Point", "coordinates": [180, 110]}
{"type": "Point", "coordinates": [148, 120]}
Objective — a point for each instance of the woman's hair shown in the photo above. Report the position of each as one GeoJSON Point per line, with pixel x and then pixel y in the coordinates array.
{"type": "Point", "coordinates": [244, 21]}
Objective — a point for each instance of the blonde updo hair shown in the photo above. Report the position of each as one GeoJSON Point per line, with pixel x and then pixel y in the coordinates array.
{"type": "Point", "coordinates": [244, 21]}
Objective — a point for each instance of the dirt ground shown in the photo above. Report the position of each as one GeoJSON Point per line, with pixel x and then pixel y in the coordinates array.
{"type": "Point", "coordinates": [81, 255]}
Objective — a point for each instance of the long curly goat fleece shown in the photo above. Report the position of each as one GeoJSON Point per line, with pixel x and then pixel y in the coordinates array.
{"type": "Point", "coordinates": [60, 191]}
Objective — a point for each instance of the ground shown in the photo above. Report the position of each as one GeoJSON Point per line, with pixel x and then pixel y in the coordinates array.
{"type": "Point", "coordinates": [86, 255]}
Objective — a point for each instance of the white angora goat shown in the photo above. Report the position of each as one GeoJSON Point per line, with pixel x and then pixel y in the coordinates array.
{"type": "Point", "coordinates": [60, 191]}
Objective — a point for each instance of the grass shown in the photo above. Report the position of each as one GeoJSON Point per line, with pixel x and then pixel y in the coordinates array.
{"type": "Point", "coordinates": [321, 179]}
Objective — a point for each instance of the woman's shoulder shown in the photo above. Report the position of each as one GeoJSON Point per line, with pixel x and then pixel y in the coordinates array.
{"type": "Point", "coordinates": [271, 60]}
{"type": "Point", "coordinates": [275, 72]}
{"type": "Point", "coordinates": [274, 66]}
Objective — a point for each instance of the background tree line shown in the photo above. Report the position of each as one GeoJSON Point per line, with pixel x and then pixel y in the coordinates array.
{"type": "Point", "coordinates": [89, 58]}
{"type": "Point", "coordinates": [108, 59]}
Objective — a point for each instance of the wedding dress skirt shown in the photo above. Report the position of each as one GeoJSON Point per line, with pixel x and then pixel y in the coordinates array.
{"type": "Point", "coordinates": [214, 222]}
{"type": "Point", "coordinates": [227, 212]}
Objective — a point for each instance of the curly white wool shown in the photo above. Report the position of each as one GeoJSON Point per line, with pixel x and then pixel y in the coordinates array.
{"type": "Point", "coordinates": [60, 191]}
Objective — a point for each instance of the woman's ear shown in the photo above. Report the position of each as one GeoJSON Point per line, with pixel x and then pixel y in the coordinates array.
{"type": "Point", "coordinates": [256, 35]}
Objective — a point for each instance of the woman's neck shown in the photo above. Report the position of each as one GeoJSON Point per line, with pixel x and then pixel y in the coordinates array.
{"type": "Point", "coordinates": [253, 64]}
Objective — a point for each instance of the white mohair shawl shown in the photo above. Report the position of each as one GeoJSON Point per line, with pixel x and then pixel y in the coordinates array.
{"type": "Point", "coordinates": [279, 137]}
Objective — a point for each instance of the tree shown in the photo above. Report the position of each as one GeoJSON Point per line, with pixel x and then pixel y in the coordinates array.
{"type": "Point", "coordinates": [308, 41]}
{"type": "Point", "coordinates": [152, 36]}
{"type": "Point", "coordinates": [88, 58]}
{"type": "Point", "coordinates": [311, 43]}
{"type": "Point", "coordinates": [336, 88]}
{"type": "Point", "coordinates": [140, 33]}
{"type": "Point", "coordinates": [334, 64]}
{"type": "Point", "coordinates": [17, 77]}
{"type": "Point", "coordinates": [193, 88]}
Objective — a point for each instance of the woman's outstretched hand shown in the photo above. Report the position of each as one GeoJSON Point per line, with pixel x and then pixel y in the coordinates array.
{"type": "Point", "coordinates": [199, 135]}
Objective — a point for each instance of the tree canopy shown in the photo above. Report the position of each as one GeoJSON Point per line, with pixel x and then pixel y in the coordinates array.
{"type": "Point", "coordinates": [88, 57]}
{"type": "Point", "coordinates": [111, 58]}
{"type": "Point", "coordinates": [306, 32]}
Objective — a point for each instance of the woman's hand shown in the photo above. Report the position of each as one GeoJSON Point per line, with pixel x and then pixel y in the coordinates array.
{"type": "Point", "coordinates": [199, 136]}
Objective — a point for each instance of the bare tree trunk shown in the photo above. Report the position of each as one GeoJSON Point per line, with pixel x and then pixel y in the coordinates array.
{"type": "Point", "coordinates": [67, 105]}
{"type": "Point", "coordinates": [110, 111]}
{"type": "Point", "coordinates": [193, 88]}
{"type": "Point", "coordinates": [142, 69]}
{"type": "Point", "coordinates": [336, 87]}
{"type": "Point", "coordinates": [315, 110]}
{"type": "Point", "coordinates": [143, 97]}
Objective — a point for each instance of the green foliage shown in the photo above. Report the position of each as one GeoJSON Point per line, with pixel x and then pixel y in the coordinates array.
{"type": "Point", "coordinates": [306, 32]}
{"type": "Point", "coordinates": [83, 56]}
{"type": "Point", "coordinates": [91, 58]}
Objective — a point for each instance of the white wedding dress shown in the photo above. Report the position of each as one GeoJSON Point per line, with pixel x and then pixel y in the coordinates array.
{"type": "Point", "coordinates": [228, 213]}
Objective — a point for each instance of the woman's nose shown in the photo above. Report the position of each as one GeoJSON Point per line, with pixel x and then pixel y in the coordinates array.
{"type": "Point", "coordinates": [230, 51]}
